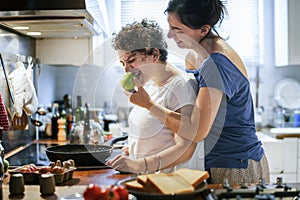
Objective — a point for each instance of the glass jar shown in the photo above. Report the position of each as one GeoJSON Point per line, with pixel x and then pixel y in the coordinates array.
{"type": "Point", "coordinates": [96, 134]}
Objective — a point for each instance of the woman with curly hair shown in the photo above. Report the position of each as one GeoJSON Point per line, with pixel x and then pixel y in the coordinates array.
{"type": "Point", "coordinates": [142, 50]}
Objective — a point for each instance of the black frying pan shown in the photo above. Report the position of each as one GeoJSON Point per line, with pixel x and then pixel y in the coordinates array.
{"type": "Point", "coordinates": [83, 155]}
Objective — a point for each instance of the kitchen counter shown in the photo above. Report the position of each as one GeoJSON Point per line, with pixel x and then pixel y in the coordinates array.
{"type": "Point", "coordinates": [77, 184]}
{"type": "Point", "coordinates": [106, 177]}
{"type": "Point", "coordinates": [81, 177]}
{"type": "Point", "coordinates": [280, 133]}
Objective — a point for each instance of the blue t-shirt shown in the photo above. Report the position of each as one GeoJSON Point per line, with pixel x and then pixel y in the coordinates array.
{"type": "Point", "coordinates": [232, 139]}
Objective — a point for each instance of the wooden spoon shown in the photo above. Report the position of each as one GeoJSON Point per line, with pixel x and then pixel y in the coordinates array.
{"type": "Point", "coordinates": [20, 123]}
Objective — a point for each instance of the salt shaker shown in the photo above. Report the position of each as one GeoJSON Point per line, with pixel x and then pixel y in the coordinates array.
{"type": "Point", "coordinates": [47, 184]}
{"type": "Point", "coordinates": [16, 184]}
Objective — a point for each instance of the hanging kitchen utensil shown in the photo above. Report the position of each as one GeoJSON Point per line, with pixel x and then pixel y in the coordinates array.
{"type": "Point", "coordinates": [29, 67]}
{"type": "Point", "coordinates": [23, 90]}
{"type": "Point", "coordinates": [18, 122]}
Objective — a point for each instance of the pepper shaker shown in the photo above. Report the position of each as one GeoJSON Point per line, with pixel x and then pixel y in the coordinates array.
{"type": "Point", "coordinates": [16, 184]}
{"type": "Point", "coordinates": [47, 184]}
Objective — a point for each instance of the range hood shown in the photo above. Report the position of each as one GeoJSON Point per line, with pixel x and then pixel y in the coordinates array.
{"type": "Point", "coordinates": [54, 18]}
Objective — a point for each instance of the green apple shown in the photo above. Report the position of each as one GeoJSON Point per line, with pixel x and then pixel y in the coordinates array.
{"type": "Point", "coordinates": [127, 81]}
{"type": "Point", "coordinates": [6, 165]}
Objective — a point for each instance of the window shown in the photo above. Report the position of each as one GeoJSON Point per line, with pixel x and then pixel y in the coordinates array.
{"type": "Point", "coordinates": [241, 27]}
{"type": "Point", "coordinates": [135, 10]}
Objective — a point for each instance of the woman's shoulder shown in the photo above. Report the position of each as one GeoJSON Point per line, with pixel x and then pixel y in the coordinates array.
{"type": "Point", "coordinates": [230, 56]}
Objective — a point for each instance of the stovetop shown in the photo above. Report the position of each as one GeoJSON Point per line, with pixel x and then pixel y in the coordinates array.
{"type": "Point", "coordinates": [260, 191]}
{"type": "Point", "coordinates": [33, 153]}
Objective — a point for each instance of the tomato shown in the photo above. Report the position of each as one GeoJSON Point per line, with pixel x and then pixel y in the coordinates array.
{"type": "Point", "coordinates": [113, 194]}
{"type": "Point", "coordinates": [122, 191]}
{"type": "Point", "coordinates": [94, 192]}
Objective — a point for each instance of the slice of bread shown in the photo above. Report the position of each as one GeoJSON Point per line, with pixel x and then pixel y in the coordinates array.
{"type": "Point", "coordinates": [169, 184]}
{"type": "Point", "coordinates": [142, 179]}
{"type": "Point", "coordinates": [134, 185]}
{"type": "Point", "coordinates": [181, 181]}
{"type": "Point", "coordinates": [194, 177]}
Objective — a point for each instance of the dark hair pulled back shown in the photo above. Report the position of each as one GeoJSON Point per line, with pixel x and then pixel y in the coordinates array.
{"type": "Point", "coordinates": [196, 13]}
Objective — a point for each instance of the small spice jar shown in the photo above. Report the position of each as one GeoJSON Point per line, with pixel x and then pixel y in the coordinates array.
{"type": "Point", "coordinates": [16, 184]}
{"type": "Point", "coordinates": [47, 184]}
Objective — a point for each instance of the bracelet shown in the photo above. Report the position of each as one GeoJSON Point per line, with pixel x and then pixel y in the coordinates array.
{"type": "Point", "coordinates": [159, 164]}
{"type": "Point", "coordinates": [146, 166]}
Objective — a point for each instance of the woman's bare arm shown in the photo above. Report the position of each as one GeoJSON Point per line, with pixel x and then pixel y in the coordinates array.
{"type": "Point", "coordinates": [197, 124]}
{"type": "Point", "coordinates": [181, 151]}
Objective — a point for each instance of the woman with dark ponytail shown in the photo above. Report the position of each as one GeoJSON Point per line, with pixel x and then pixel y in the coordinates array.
{"type": "Point", "coordinates": [223, 115]}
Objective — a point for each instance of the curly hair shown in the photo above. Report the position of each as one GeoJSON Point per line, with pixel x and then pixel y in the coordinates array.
{"type": "Point", "coordinates": [141, 36]}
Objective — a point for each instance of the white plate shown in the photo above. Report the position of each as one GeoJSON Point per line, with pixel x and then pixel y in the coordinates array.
{"type": "Point", "coordinates": [287, 93]}
{"type": "Point", "coordinates": [156, 196]}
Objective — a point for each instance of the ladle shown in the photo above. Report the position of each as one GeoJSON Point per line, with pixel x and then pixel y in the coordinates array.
{"type": "Point", "coordinates": [41, 111]}
{"type": "Point", "coordinates": [36, 122]}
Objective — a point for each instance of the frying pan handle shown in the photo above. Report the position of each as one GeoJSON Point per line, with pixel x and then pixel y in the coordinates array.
{"type": "Point", "coordinates": [118, 139]}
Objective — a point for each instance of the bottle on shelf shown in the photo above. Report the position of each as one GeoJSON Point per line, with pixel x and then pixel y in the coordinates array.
{"type": "Point", "coordinates": [86, 127]}
{"type": "Point", "coordinates": [55, 117]}
{"type": "Point", "coordinates": [62, 111]}
{"type": "Point", "coordinates": [69, 114]}
{"type": "Point", "coordinates": [79, 110]}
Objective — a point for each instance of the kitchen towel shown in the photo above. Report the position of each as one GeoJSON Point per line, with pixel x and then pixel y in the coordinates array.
{"type": "Point", "coordinates": [4, 123]}
{"type": "Point", "coordinates": [23, 90]}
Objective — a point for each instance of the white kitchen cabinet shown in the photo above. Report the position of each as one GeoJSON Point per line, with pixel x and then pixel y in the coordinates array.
{"type": "Point", "coordinates": [64, 51]}
{"type": "Point", "coordinates": [287, 31]}
{"type": "Point", "coordinates": [298, 161]}
{"type": "Point", "coordinates": [274, 153]}
{"type": "Point", "coordinates": [290, 177]}
{"type": "Point", "coordinates": [290, 155]}
{"type": "Point", "coordinates": [284, 158]}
